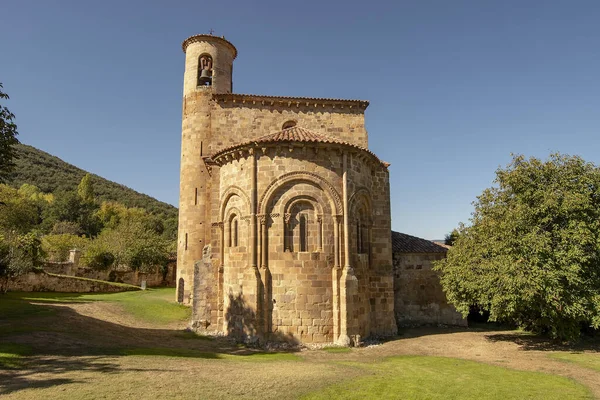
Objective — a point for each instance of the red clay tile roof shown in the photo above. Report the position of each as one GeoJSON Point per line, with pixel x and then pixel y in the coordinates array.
{"type": "Point", "coordinates": [288, 100]}
{"type": "Point", "coordinates": [403, 243]}
{"type": "Point", "coordinates": [296, 134]}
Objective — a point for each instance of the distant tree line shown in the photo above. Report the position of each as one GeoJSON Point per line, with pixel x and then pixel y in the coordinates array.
{"type": "Point", "coordinates": [37, 226]}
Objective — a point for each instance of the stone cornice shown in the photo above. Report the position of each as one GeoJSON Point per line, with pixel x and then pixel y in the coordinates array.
{"type": "Point", "coordinates": [286, 101]}
{"type": "Point", "coordinates": [208, 38]}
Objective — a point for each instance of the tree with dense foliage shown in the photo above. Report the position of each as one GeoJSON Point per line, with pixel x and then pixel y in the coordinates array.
{"type": "Point", "coordinates": [8, 139]}
{"type": "Point", "coordinates": [128, 243]}
{"type": "Point", "coordinates": [58, 246]}
{"type": "Point", "coordinates": [18, 213]}
{"type": "Point", "coordinates": [531, 255]}
{"type": "Point", "coordinates": [19, 253]}
{"type": "Point", "coordinates": [70, 207]}
{"type": "Point", "coordinates": [451, 237]}
{"type": "Point", "coordinates": [85, 189]}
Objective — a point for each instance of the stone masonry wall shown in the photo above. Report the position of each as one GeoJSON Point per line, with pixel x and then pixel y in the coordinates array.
{"type": "Point", "coordinates": [153, 279]}
{"type": "Point", "coordinates": [43, 282]}
{"type": "Point", "coordinates": [419, 298]}
{"type": "Point", "coordinates": [234, 123]}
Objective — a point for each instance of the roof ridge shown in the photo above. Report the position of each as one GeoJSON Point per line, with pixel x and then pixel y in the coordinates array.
{"type": "Point", "coordinates": [301, 129]}
{"type": "Point", "coordinates": [291, 99]}
{"type": "Point", "coordinates": [405, 243]}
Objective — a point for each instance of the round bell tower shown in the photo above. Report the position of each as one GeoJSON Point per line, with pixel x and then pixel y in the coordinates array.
{"type": "Point", "coordinates": [208, 71]}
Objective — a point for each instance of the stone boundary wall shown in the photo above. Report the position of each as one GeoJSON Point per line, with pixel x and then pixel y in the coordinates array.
{"type": "Point", "coordinates": [419, 298]}
{"type": "Point", "coordinates": [44, 282]}
{"type": "Point", "coordinates": [122, 275]}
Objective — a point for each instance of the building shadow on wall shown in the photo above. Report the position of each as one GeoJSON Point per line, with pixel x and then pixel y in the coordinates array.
{"type": "Point", "coordinates": [246, 325]}
{"type": "Point", "coordinates": [241, 320]}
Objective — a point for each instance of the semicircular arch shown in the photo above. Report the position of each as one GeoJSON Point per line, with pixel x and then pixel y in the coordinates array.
{"type": "Point", "coordinates": [312, 179]}
{"type": "Point", "coordinates": [228, 194]}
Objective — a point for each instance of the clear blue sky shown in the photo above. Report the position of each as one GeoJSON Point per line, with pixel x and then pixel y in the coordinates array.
{"type": "Point", "coordinates": [454, 86]}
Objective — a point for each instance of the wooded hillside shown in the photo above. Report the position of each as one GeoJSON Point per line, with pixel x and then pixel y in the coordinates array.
{"type": "Point", "coordinates": [51, 174]}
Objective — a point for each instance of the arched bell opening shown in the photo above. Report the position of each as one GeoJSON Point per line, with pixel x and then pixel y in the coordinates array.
{"type": "Point", "coordinates": [205, 70]}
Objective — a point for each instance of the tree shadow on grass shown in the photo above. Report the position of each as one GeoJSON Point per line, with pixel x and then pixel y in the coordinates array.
{"type": "Point", "coordinates": [55, 340]}
{"type": "Point", "coordinates": [528, 341]}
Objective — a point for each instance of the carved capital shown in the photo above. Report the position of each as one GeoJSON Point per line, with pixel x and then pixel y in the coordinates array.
{"type": "Point", "coordinates": [262, 218]}
{"type": "Point", "coordinates": [287, 217]}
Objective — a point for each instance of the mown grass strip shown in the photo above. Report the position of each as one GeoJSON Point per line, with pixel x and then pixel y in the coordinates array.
{"type": "Point", "coordinates": [586, 360]}
{"type": "Point", "coordinates": [336, 349]}
{"type": "Point", "coordinates": [11, 355]}
{"type": "Point", "coordinates": [191, 353]}
{"type": "Point", "coordinates": [155, 306]}
{"type": "Point", "coordinates": [422, 377]}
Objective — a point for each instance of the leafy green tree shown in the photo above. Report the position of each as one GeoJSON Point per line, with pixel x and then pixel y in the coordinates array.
{"type": "Point", "coordinates": [69, 207]}
{"type": "Point", "coordinates": [19, 253]}
{"type": "Point", "coordinates": [8, 138]}
{"type": "Point", "coordinates": [451, 237]}
{"type": "Point", "coordinates": [85, 190]}
{"type": "Point", "coordinates": [32, 192]}
{"type": "Point", "coordinates": [131, 244]}
{"type": "Point", "coordinates": [531, 255]}
{"type": "Point", "coordinates": [58, 246]}
{"type": "Point", "coordinates": [65, 227]}
{"type": "Point", "coordinates": [17, 213]}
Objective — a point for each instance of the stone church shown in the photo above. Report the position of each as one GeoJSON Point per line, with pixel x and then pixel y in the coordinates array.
{"type": "Point", "coordinates": [284, 215]}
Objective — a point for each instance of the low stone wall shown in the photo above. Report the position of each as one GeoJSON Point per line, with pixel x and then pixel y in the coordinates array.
{"type": "Point", "coordinates": [418, 294]}
{"type": "Point", "coordinates": [44, 282]}
{"type": "Point", "coordinates": [152, 279]}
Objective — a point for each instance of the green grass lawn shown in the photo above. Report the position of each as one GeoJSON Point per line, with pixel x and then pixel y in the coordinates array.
{"type": "Point", "coordinates": [153, 305]}
{"type": "Point", "coordinates": [587, 360]}
{"type": "Point", "coordinates": [11, 355]}
{"type": "Point", "coordinates": [418, 377]}
{"type": "Point", "coordinates": [73, 346]}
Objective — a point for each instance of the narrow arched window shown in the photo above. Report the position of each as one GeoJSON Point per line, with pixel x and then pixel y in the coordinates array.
{"type": "Point", "coordinates": [232, 231]}
{"type": "Point", "coordinates": [235, 232]}
{"type": "Point", "coordinates": [358, 237]}
{"type": "Point", "coordinates": [303, 233]}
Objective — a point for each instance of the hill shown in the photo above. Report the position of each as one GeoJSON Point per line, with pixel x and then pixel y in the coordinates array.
{"type": "Point", "coordinates": [51, 174]}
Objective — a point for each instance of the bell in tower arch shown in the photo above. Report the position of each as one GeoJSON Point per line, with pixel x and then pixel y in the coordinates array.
{"type": "Point", "coordinates": [205, 70]}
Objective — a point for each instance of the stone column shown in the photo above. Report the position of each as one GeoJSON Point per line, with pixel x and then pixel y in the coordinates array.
{"type": "Point", "coordinates": [265, 275]}
{"type": "Point", "coordinates": [335, 277]}
{"type": "Point", "coordinates": [253, 242]}
{"type": "Point", "coordinates": [336, 240]}
{"type": "Point", "coordinates": [348, 281]}
{"type": "Point", "coordinates": [346, 223]}
{"type": "Point", "coordinates": [220, 293]}
{"type": "Point", "coordinates": [287, 237]}
{"type": "Point", "coordinates": [253, 195]}
{"type": "Point", "coordinates": [319, 232]}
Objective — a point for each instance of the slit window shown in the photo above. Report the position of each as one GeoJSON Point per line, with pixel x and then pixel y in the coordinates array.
{"type": "Point", "coordinates": [303, 233]}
